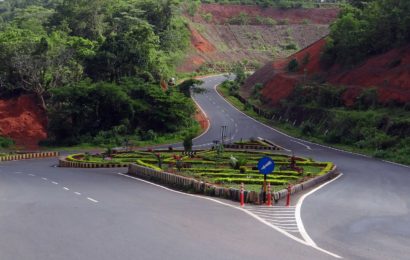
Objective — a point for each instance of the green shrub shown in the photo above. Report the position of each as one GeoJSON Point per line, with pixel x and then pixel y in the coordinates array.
{"type": "Point", "coordinates": [293, 65]}
{"type": "Point", "coordinates": [5, 142]}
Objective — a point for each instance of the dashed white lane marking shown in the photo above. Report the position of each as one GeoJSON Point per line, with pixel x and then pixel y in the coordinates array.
{"type": "Point", "coordinates": [93, 200]}
{"type": "Point", "coordinates": [307, 146]}
{"type": "Point", "coordinates": [53, 182]}
{"type": "Point", "coordinates": [18, 172]}
{"type": "Point", "coordinates": [44, 179]}
{"type": "Point", "coordinates": [66, 188]}
{"type": "Point", "coordinates": [32, 175]}
{"type": "Point", "coordinates": [253, 215]}
{"type": "Point", "coordinates": [77, 193]}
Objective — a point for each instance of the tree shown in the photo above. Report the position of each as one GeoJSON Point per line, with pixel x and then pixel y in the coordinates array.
{"type": "Point", "coordinates": [38, 64]}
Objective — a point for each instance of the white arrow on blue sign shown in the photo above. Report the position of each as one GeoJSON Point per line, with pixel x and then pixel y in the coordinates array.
{"type": "Point", "coordinates": [266, 165]}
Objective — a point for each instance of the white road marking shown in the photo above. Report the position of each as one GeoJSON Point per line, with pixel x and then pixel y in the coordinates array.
{"type": "Point", "coordinates": [301, 227]}
{"type": "Point", "coordinates": [307, 146]}
{"type": "Point", "coordinates": [18, 172]}
{"type": "Point", "coordinates": [32, 175]}
{"type": "Point", "coordinates": [238, 208]}
{"type": "Point", "coordinates": [207, 119]}
{"type": "Point", "coordinates": [77, 193]}
{"type": "Point", "coordinates": [93, 200]}
{"type": "Point", "coordinates": [56, 183]}
{"type": "Point", "coordinates": [44, 179]}
{"type": "Point", "coordinates": [66, 188]}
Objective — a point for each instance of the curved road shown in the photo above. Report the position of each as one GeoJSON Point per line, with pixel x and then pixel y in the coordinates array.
{"type": "Point", "coordinates": [62, 213]}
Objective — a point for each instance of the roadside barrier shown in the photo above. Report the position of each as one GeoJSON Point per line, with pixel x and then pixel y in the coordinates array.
{"type": "Point", "coordinates": [25, 156]}
{"type": "Point", "coordinates": [251, 147]}
{"type": "Point", "coordinates": [200, 187]}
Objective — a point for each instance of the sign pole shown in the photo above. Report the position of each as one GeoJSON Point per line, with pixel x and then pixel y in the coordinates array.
{"type": "Point", "coordinates": [265, 166]}
{"type": "Point", "coordinates": [264, 188]}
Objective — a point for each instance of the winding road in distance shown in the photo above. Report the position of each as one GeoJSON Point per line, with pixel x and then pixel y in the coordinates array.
{"type": "Point", "coordinates": [62, 213]}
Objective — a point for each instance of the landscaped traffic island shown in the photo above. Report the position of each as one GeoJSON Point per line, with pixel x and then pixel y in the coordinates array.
{"type": "Point", "coordinates": [219, 167]}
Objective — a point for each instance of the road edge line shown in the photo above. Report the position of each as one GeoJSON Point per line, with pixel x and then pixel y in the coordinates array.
{"type": "Point", "coordinates": [299, 221]}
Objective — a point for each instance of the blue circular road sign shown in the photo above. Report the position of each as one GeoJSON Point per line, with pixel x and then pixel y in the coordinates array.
{"type": "Point", "coordinates": [266, 165]}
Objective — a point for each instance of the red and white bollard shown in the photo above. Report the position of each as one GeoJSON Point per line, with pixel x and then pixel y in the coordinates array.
{"type": "Point", "coordinates": [242, 196]}
{"type": "Point", "coordinates": [269, 202]}
{"type": "Point", "coordinates": [288, 196]}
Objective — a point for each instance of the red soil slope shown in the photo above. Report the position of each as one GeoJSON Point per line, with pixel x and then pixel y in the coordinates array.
{"type": "Point", "coordinates": [22, 120]}
{"type": "Point", "coordinates": [221, 13]}
{"type": "Point", "coordinates": [220, 42]}
{"type": "Point", "coordinates": [199, 42]}
{"type": "Point", "coordinates": [389, 73]}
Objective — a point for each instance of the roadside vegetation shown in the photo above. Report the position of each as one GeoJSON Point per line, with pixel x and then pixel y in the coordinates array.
{"type": "Point", "coordinates": [317, 113]}
{"type": "Point", "coordinates": [367, 28]}
{"type": "Point", "coordinates": [99, 68]}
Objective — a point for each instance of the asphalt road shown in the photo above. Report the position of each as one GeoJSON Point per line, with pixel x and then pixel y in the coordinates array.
{"type": "Point", "coordinates": [62, 213]}
{"type": "Point", "coordinates": [363, 215]}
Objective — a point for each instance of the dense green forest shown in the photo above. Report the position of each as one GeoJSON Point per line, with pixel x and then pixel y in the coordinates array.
{"type": "Point", "coordinates": [366, 28]}
{"type": "Point", "coordinates": [96, 65]}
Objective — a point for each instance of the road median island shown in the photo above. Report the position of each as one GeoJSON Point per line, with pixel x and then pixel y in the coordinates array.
{"type": "Point", "coordinates": [192, 185]}
{"type": "Point", "coordinates": [218, 172]}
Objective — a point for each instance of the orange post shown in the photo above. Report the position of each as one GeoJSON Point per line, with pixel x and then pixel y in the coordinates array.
{"type": "Point", "coordinates": [288, 196]}
{"type": "Point", "coordinates": [269, 203]}
{"type": "Point", "coordinates": [242, 197]}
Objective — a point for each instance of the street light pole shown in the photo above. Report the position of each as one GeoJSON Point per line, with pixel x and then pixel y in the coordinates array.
{"type": "Point", "coordinates": [223, 132]}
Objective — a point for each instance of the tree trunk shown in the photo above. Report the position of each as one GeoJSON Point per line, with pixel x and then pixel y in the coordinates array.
{"type": "Point", "coordinates": [43, 102]}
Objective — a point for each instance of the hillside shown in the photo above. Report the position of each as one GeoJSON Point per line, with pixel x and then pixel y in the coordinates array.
{"type": "Point", "coordinates": [389, 73]}
{"type": "Point", "coordinates": [223, 34]}
{"type": "Point", "coordinates": [23, 120]}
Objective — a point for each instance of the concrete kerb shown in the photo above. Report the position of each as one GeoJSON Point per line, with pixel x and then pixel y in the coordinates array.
{"type": "Point", "coordinates": [26, 156]}
{"type": "Point", "coordinates": [192, 185]}
{"type": "Point", "coordinates": [63, 162]}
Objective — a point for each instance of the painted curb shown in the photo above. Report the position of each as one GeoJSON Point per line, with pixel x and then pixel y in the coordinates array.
{"type": "Point", "coordinates": [26, 156]}
{"type": "Point", "coordinates": [63, 162]}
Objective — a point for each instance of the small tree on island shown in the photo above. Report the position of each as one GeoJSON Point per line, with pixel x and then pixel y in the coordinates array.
{"type": "Point", "coordinates": [188, 143]}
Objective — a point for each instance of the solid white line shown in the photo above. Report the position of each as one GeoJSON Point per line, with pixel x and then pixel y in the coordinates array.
{"type": "Point", "coordinates": [206, 116]}
{"type": "Point", "coordinates": [284, 221]}
{"type": "Point", "coordinates": [77, 193]}
{"type": "Point", "coordinates": [66, 188]}
{"type": "Point", "coordinates": [307, 146]}
{"type": "Point", "coordinates": [289, 224]}
{"type": "Point", "coordinates": [56, 183]}
{"type": "Point", "coordinates": [301, 227]}
{"type": "Point", "coordinates": [93, 200]}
